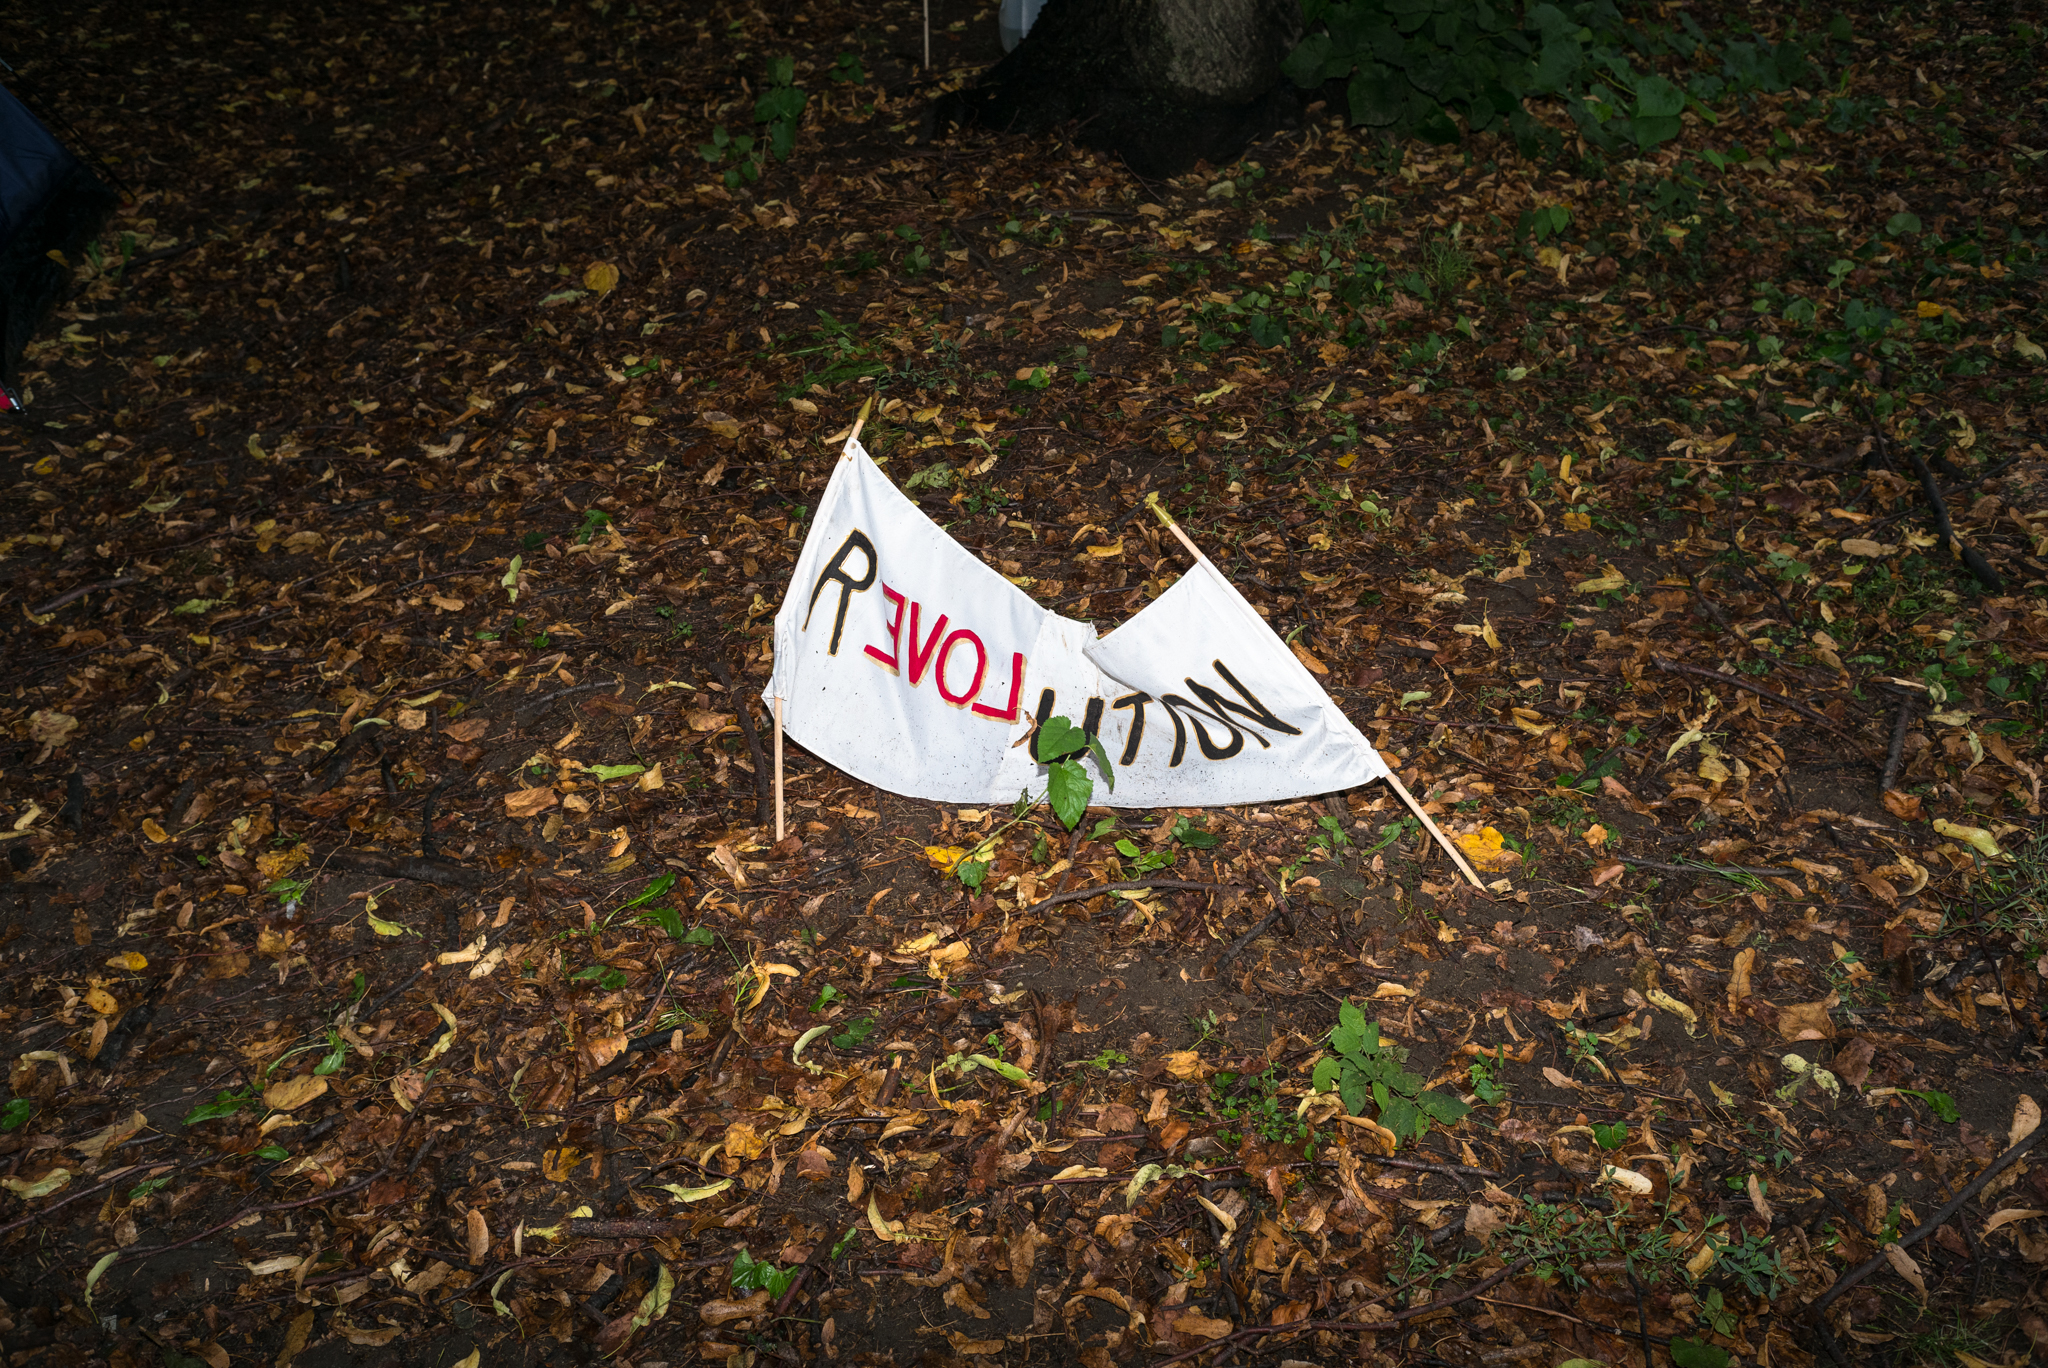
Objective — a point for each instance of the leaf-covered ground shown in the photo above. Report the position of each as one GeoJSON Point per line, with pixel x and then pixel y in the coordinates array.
{"type": "Point", "coordinates": [398, 972]}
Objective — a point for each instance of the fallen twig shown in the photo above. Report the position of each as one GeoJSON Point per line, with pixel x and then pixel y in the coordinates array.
{"type": "Point", "coordinates": [1127, 886]}
{"type": "Point", "coordinates": [764, 797]}
{"type": "Point", "coordinates": [1931, 1224]}
{"type": "Point", "coordinates": [417, 868]}
{"type": "Point", "coordinates": [1736, 681]}
{"type": "Point", "coordinates": [1976, 563]}
{"type": "Point", "coordinates": [81, 591]}
{"type": "Point", "coordinates": [1908, 705]}
{"type": "Point", "coordinates": [1280, 910]}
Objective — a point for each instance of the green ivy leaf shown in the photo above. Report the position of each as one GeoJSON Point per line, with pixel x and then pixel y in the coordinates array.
{"type": "Point", "coordinates": [1693, 1354]}
{"type": "Point", "coordinates": [225, 1103]}
{"type": "Point", "coordinates": [1069, 788]}
{"type": "Point", "coordinates": [1057, 738]}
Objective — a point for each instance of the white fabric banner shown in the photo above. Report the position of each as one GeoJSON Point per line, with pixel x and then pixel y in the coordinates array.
{"type": "Point", "coordinates": [903, 660]}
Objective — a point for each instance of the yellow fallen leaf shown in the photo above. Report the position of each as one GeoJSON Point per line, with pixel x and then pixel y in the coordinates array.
{"type": "Point", "coordinates": [133, 962]}
{"type": "Point", "coordinates": [529, 802]}
{"type": "Point", "coordinates": [290, 1094]}
{"type": "Point", "coordinates": [1487, 849]}
{"type": "Point", "coordinates": [1978, 837]}
{"type": "Point", "coordinates": [1866, 548]}
{"type": "Point", "coordinates": [881, 1225]}
{"type": "Point", "coordinates": [1115, 548]}
{"type": "Point", "coordinates": [718, 1312]}
{"type": "Point", "coordinates": [742, 1141]}
{"type": "Point", "coordinates": [50, 1182]}
{"type": "Point", "coordinates": [1207, 1327]}
{"type": "Point", "coordinates": [155, 830]}
{"type": "Point", "coordinates": [557, 1164]}
{"type": "Point", "coordinates": [1627, 1178]}
{"type": "Point", "coordinates": [1307, 658]}
{"type": "Point", "coordinates": [1393, 990]}
{"type": "Point", "coordinates": [2011, 1214]}
{"type": "Point", "coordinates": [1606, 584]}
{"type": "Point", "coordinates": [1657, 997]}
{"type": "Point", "coordinates": [1105, 333]}
{"type": "Point", "coordinates": [601, 278]}
{"type": "Point", "coordinates": [101, 1001]}
{"type": "Point", "coordinates": [945, 859]}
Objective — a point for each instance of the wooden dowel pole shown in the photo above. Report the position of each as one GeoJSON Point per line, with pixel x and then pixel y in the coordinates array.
{"type": "Point", "coordinates": [779, 824]}
{"type": "Point", "coordinates": [1152, 502]}
{"type": "Point", "coordinates": [859, 422]}
{"type": "Point", "coordinates": [1441, 839]}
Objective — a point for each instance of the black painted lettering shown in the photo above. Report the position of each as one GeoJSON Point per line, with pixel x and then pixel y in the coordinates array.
{"type": "Point", "coordinates": [1251, 710]}
{"type": "Point", "coordinates": [835, 572]}
{"type": "Point", "coordinates": [1180, 728]}
{"type": "Point", "coordinates": [1136, 703]}
{"type": "Point", "coordinates": [1211, 750]}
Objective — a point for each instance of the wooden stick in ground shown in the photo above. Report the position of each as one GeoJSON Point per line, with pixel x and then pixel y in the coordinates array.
{"type": "Point", "coordinates": [927, 35]}
{"type": "Point", "coordinates": [779, 824]}
{"type": "Point", "coordinates": [1152, 502]}
{"type": "Point", "coordinates": [1441, 839]}
{"type": "Point", "coordinates": [860, 421]}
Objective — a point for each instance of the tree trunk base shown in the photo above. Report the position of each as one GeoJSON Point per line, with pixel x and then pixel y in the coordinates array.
{"type": "Point", "coordinates": [1162, 84]}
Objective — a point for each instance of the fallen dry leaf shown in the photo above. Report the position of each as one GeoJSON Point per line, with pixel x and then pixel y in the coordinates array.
{"type": "Point", "coordinates": [529, 802]}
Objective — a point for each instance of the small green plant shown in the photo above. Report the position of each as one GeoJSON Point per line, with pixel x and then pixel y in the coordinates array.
{"type": "Point", "coordinates": [595, 520]}
{"type": "Point", "coordinates": [16, 1113]}
{"type": "Point", "coordinates": [737, 148]}
{"type": "Point", "coordinates": [1687, 1353]}
{"type": "Point", "coordinates": [1142, 861]}
{"type": "Point", "coordinates": [1756, 1265]}
{"type": "Point", "coordinates": [1192, 833]}
{"type": "Point", "coordinates": [1715, 1313]}
{"type": "Point", "coordinates": [1610, 1135]}
{"type": "Point", "coordinates": [1448, 265]}
{"type": "Point", "coordinates": [827, 995]}
{"type": "Point", "coordinates": [1486, 1085]}
{"type": "Point", "coordinates": [847, 70]}
{"type": "Point", "coordinates": [1940, 1103]}
{"type": "Point", "coordinates": [290, 892]}
{"type": "Point", "coordinates": [1364, 1069]}
{"type": "Point", "coordinates": [225, 1103]}
{"type": "Point", "coordinates": [1583, 1047]}
{"type": "Point", "coordinates": [1105, 1061]}
{"type": "Point", "coordinates": [780, 107]}
{"type": "Point", "coordinates": [1060, 747]}
{"type": "Point", "coordinates": [760, 1275]}
{"type": "Point", "coordinates": [1543, 223]}
{"type": "Point", "coordinates": [148, 1187]}
{"type": "Point", "coordinates": [1254, 1103]}
{"type": "Point", "coordinates": [603, 975]}
{"type": "Point", "coordinates": [854, 1033]}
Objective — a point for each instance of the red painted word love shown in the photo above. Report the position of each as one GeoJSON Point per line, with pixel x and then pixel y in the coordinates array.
{"type": "Point", "coordinates": [933, 653]}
